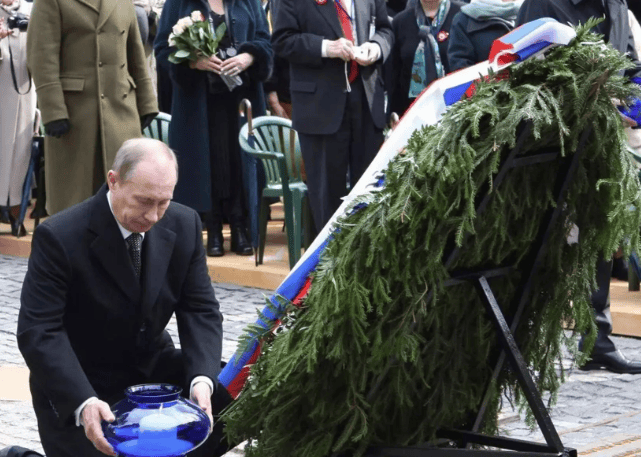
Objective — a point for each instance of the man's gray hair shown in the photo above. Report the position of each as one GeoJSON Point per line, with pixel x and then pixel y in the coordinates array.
{"type": "Point", "coordinates": [133, 151]}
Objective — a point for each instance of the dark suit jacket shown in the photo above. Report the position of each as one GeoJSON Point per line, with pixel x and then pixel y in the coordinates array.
{"type": "Point", "coordinates": [318, 84]}
{"type": "Point", "coordinates": [86, 325]}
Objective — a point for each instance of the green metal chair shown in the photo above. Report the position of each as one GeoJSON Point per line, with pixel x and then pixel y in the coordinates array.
{"type": "Point", "coordinates": [159, 128]}
{"type": "Point", "coordinates": [272, 140]}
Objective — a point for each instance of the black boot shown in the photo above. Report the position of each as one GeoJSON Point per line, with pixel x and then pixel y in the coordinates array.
{"type": "Point", "coordinates": [239, 242]}
{"type": "Point", "coordinates": [215, 240]}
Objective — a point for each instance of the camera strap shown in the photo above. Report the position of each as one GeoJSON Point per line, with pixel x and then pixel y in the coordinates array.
{"type": "Point", "coordinates": [13, 73]}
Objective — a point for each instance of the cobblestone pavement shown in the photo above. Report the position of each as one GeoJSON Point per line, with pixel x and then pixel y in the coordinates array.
{"type": "Point", "coordinates": [598, 413]}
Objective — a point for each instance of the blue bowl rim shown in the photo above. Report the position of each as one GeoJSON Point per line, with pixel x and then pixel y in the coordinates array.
{"type": "Point", "coordinates": [153, 393]}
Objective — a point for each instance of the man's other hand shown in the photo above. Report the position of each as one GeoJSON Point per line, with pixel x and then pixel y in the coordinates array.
{"type": "Point", "coordinates": [201, 395]}
{"type": "Point", "coordinates": [146, 119]}
{"type": "Point", "coordinates": [340, 49]}
{"type": "Point", "coordinates": [370, 53]}
{"type": "Point", "coordinates": [4, 32]}
{"type": "Point", "coordinates": [92, 416]}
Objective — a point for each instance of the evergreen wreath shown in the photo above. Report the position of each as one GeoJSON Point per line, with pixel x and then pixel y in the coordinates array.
{"type": "Point", "coordinates": [368, 303]}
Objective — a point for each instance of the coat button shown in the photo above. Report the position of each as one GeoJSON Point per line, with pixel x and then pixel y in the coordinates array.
{"type": "Point", "coordinates": [100, 64]}
{"type": "Point", "coordinates": [122, 32]}
{"type": "Point", "coordinates": [102, 96]}
{"type": "Point", "coordinates": [143, 327]}
{"type": "Point", "coordinates": [123, 65]}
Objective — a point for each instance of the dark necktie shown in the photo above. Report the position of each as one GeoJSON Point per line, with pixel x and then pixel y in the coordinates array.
{"type": "Point", "coordinates": [134, 243]}
{"type": "Point", "coordinates": [346, 25]}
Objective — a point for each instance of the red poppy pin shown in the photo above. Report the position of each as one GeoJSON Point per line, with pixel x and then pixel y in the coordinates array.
{"type": "Point", "coordinates": [442, 36]}
{"type": "Point", "coordinates": [321, 2]}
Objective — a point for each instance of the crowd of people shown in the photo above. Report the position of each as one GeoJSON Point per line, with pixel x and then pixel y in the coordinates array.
{"type": "Point", "coordinates": [337, 68]}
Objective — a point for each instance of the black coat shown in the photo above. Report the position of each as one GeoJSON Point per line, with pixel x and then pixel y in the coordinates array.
{"type": "Point", "coordinates": [318, 84]}
{"type": "Point", "coordinates": [399, 66]}
{"type": "Point", "coordinates": [87, 327]}
{"type": "Point", "coordinates": [616, 28]}
{"type": "Point", "coordinates": [189, 129]}
{"type": "Point", "coordinates": [471, 40]}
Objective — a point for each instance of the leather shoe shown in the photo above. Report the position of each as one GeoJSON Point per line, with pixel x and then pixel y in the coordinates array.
{"type": "Point", "coordinates": [215, 243]}
{"type": "Point", "coordinates": [612, 361]}
{"type": "Point", "coordinates": [239, 242]}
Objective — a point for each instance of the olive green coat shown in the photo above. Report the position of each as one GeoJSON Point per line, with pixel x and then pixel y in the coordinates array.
{"type": "Point", "coordinates": [88, 64]}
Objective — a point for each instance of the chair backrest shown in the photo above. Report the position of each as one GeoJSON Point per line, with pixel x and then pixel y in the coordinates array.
{"type": "Point", "coordinates": [159, 128]}
{"type": "Point", "coordinates": [274, 134]}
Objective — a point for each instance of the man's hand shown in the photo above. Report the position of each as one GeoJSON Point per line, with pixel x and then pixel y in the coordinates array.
{"type": "Point", "coordinates": [627, 121]}
{"type": "Point", "coordinates": [370, 53]}
{"type": "Point", "coordinates": [92, 416]}
{"type": "Point", "coordinates": [201, 395]}
{"type": "Point", "coordinates": [4, 32]}
{"type": "Point", "coordinates": [57, 128]}
{"type": "Point", "coordinates": [340, 49]}
{"type": "Point", "coordinates": [237, 64]}
{"type": "Point", "coordinates": [211, 63]}
{"type": "Point", "coordinates": [7, 2]}
{"type": "Point", "coordinates": [274, 105]}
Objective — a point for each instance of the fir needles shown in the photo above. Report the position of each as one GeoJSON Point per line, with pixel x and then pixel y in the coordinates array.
{"type": "Point", "coordinates": [378, 304]}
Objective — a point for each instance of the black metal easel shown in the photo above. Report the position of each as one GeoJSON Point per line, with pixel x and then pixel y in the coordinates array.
{"type": "Point", "coordinates": [462, 441]}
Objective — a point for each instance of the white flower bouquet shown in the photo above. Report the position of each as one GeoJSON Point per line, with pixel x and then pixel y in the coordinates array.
{"type": "Point", "coordinates": [193, 37]}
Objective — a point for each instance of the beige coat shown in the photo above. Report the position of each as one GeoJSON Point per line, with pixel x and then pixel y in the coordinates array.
{"type": "Point", "coordinates": [16, 112]}
{"type": "Point", "coordinates": [89, 66]}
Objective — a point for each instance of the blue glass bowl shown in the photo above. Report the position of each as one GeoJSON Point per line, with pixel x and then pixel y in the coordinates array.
{"type": "Point", "coordinates": [155, 421]}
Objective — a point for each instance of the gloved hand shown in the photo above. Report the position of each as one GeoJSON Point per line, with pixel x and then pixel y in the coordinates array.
{"type": "Point", "coordinates": [57, 128]}
{"type": "Point", "coordinates": [146, 119]}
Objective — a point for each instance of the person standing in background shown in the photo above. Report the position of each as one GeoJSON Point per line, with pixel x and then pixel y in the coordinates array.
{"type": "Point", "coordinates": [205, 122]}
{"type": "Point", "coordinates": [18, 110]}
{"type": "Point", "coordinates": [616, 31]}
{"type": "Point", "coordinates": [475, 28]}
{"type": "Point", "coordinates": [89, 67]}
{"type": "Point", "coordinates": [337, 92]}
{"type": "Point", "coordinates": [419, 56]}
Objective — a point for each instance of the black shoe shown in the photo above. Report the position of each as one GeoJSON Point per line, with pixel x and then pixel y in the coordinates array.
{"type": "Point", "coordinates": [620, 269]}
{"type": "Point", "coordinates": [239, 242]}
{"type": "Point", "coordinates": [215, 242]}
{"type": "Point", "coordinates": [612, 361]}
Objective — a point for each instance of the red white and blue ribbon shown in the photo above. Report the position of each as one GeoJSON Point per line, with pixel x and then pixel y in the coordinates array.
{"type": "Point", "coordinates": [528, 41]}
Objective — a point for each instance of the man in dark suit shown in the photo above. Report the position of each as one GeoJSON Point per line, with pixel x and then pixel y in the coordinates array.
{"type": "Point", "coordinates": [335, 49]}
{"type": "Point", "coordinates": [104, 278]}
{"type": "Point", "coordinates": [616, 31]}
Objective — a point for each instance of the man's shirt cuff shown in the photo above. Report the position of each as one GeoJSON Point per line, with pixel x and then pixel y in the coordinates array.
{"type": "Point", "coordinates": [204, 379]}
{"type": "Point", "coordinates": [324, 48]}
{"type": "Point", "coordinates": [78, 412]}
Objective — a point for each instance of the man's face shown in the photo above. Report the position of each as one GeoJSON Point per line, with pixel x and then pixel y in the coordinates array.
{"type": "Point", "coordinates": [141, 201]}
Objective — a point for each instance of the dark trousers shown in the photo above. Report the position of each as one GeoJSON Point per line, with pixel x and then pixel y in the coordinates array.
{"type": "Point", "coordinates": [67, 440]}
{"type": "Point", "coordinates": [601, 305]}
{"type": "Point", "coordinates": [328, 158]}
{"type": "Point", "coordinates": [227, 193]}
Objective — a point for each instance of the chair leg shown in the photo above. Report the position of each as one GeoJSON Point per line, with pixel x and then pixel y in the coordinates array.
{"type": "Point", "coordinates": [308, 223]}
{"type": "Point", "coordinates": [289, 224]}
{"type": "Point", "coordinates": [297, 201]}
{"type": "Point", "coordinates": [262, 228]}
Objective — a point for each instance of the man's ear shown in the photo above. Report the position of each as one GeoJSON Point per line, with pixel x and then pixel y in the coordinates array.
{"type": "Point", "coordinates": [112, 177]}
